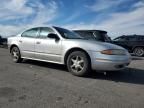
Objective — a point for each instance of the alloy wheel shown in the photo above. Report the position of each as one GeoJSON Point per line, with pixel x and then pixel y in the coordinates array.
{"type": "Point", "coordinates": [139, 51]}
{"type": "Point", "coordinates": [77, 63]}
{"type": "Point", "coordinates": [15, 54]}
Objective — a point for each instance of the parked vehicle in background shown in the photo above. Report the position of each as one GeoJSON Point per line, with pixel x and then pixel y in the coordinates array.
{"type": "Point", "coordinates": [0, 40]}
{"type": "Point", "coordinates": [133, 43]}
{"type": "Point", "coordinates": [62, 46]}
{"type": "Point", "coordinates": [98, 35]}
{"type": "Point", "coordinates": [3, 41]}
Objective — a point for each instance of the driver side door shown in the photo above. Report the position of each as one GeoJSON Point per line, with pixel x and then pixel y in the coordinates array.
{"type": "Point", "coordinates": [47, 48]}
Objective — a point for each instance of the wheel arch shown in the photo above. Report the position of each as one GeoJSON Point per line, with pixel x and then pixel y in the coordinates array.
{"type": "Point", "coordinates": [76, 49]}
{"type": "Point", "coordinates": [13, 45]}
{"type": "Point", "coordinates": [137, 46]}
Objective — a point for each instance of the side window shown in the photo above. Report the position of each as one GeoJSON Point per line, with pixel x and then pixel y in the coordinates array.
{"type": "Point", "coordinates": [32, 33]}
{"type": "Point", "coordinates": [132, 38]}
{"type": "Point", "coordinates": [44, 31]}
{"type": "Point", "coordinates": [141, 38]}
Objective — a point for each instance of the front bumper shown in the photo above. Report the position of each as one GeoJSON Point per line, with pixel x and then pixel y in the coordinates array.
{"type": "Point", "coordinates": [104, 62]}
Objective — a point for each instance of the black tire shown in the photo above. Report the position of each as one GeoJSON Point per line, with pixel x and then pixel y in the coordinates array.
{"type": "Point", "coordinates": [15, 54]}
{"type": "Point", "coordinates": [138, 51]}
{"type": "Point", "coordinates": [78, 63]}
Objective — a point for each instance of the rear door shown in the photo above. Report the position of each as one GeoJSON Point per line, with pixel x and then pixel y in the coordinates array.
{"type": "Point", "coordinates": [27, 42]}
{"type": "Point", "coordinates": [132, 42]}
{"type": "Point", "coordinates": [139, 41]}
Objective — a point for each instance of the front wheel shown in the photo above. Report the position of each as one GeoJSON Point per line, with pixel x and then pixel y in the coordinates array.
{"type": "Point", "coordinates": [16, 56]}
{"type": "Point", "coordinates": [78, 63]}
{"type": "Point", "coordinates": [139, 51]}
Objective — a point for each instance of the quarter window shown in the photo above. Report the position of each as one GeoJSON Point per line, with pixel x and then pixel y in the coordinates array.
{"type": "Point", "coordinates": [32, 33]}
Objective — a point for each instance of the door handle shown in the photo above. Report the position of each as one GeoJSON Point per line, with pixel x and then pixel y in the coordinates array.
{"type": "Point", "coordinates": [20, 41]}
{"type": "Point", "coordinates": [38, 42]}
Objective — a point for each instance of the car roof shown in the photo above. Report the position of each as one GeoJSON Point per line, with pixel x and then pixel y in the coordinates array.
{"type": "Point", "coordinates": [129, 36]}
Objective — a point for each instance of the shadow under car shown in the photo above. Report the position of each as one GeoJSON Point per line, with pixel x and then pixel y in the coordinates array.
{"type": "Point", "coordinates": [128, 75]}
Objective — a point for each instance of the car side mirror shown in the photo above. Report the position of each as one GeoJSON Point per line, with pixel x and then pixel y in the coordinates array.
{"type": "Point", "coordinates": [53, 36]}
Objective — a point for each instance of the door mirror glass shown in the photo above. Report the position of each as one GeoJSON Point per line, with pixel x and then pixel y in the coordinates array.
{"type": "Point", "coordinates": [53, 36]}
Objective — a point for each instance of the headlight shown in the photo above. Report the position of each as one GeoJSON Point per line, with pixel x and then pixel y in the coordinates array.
{"type": "Point", "coordinates": [114, 52]}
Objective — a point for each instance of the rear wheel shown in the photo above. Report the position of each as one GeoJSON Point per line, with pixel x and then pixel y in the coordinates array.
{"type": "Point", "coordinates": [139, 51]}
{"type": "Point", "coordinates": [78, 63]}
{"type": "Point", "coordinates": [16, 56]}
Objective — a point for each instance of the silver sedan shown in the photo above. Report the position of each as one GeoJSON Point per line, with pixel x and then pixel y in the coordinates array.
{"type": "Point", "coordinates": [62, 46]}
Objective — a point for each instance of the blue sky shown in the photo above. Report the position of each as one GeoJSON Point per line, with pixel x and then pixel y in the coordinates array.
{"type": "Point", "coordinates": [118, 17]}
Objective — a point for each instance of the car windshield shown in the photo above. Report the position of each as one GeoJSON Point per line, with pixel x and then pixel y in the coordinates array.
{"type": "Point", "coordinates": [86, 35]}
{"type": "Point", "coordinates": [94, 35]}
{"type": "Point", "coordinates": [68, 34]}
{"type": "Point", "coordinates": [101, 36]}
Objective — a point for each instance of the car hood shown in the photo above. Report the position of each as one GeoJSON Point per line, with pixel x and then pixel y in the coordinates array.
{"type": "Point", "coordinates": [91, 45]}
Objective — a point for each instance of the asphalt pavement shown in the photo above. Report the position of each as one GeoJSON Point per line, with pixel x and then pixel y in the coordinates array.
{"type": "Point", "coordinates": [34, 84]}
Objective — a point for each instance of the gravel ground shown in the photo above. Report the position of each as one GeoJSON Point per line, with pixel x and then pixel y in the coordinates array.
{"type": "Point", "coordinates": [34, 84]}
